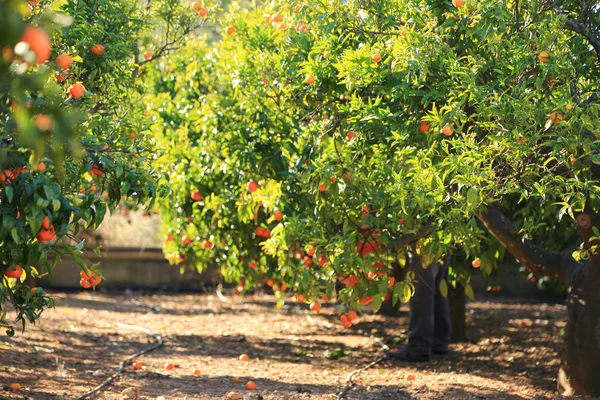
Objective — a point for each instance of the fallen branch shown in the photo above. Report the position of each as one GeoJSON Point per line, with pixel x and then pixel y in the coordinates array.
{"type": "Point", "coordinates": [159, 343]}
{"type": "Point", "coordinates": [353, 374]}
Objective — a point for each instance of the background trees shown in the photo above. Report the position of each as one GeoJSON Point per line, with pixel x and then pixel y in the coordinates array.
{"type": "Point", "coordinates": [319, 143]}
{"type": "Point", "coordinates": [72, 140]}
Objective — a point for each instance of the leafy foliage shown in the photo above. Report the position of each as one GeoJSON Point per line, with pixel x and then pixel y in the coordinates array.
{"type": "Point", "coordinates": [356, 123]}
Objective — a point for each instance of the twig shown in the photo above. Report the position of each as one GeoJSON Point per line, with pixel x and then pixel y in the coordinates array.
{"type": "Point", "coordinates": [159, 343]}
{"type": "Point", "coordinates": [219, 293]}
{"type": "Point", "coordinates": [353, 374]}
{"type": "Point", "coordinates": [145, 305]}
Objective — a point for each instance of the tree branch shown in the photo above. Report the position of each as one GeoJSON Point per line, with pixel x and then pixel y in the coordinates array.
{"type": "Point", "coordinates": [405, 240]}
{"type": "Point", "coordinates": [577, 27]}
{"type": "Point", "coordinates": [538, 260]}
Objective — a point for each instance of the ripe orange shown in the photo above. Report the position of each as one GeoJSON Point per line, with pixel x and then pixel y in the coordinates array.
{"type": "Point", "coordinates": [333, 179]}
{"type": "Point", "coordinates": [46, 222]}
{"type": "Point", "coordinates": [14, 387]}
{"type": "Point", "coordinates": [97, 49]}
{"type": "Point", "coordinates": [169, 367]}
{"type": "Point", "coordinates": [521, 140]}
{"type": "Point", "coordinates": [43, 122]}
{"type": "Point", "coordinates": [423, 127]}
{"type": "Point", "coordinates": [197, 372]}
{"type": "Point", "coordinates": [458, 3]}
{"type": "Point", "coordinates": [85, 284]}
{"type": "Point", "coordinates": [148, 55]}
{"type": "Point", "coordinates": [252, 186]}
{"type": "Point", "coordinates": [544, 56]}
{"type": "Point", "coordinates": [410, 378]}
{"type": "Point", "coordinates": [447, 130]}
{"type": "Point", "coordinates": [391, 281]}
{"type": "Point", "coordinates": [476, 263]}
{"type": "Point", "coordinates": [351, 316]}
{"type": "Point", "coordinates": [96, 170]}
{"type": "Point", "coordinates": [230, 30]}
{"type": "Point", "coordinates": [251, 385]}
{"type": "Point", "coordinates": [278, 215]}
{"type": "Point", "coordinates": [311, 251]}
{"type": "Point", "coordinates": [310, 79]}
{"type": "Point", "coordinates": [573, 159]}
{"type": "Point", "coordinates": [277, 17]}
{"type": "Point", "coordinates": [203, 12]}
{"type": "Point", "coordinates": [555, 117]}
{"type": "Point", "coordinates": [64, 61]}
{"type": "Point", "coordinates": [60, 77]}
{"type": "Point", "coordinates": [350, 135]}
{"type": "Point", "coordinates": [376, 58]}
{"type": "Point", "coordinates": [38, 42]}
{"type": "Point", "coordinates": [301, 28]}
{"type": "Point", "coordinates": [315, 306]}
{"type": "Point", "coordinates": [95, 280]}
{"type": "Point", "coordinates": [33, 2]}
{"type": "Point", "coordinates": [137, 365]}
{"type": "Point", "coordinates": [196, 196]}
{"type": "Point", "coordinates": [322, 188]}
{"type": "Point", "coordinates": [14, 272]}
{"type": "Point", "coordinates": [186, 240]}
{"type": "Point", "coordinates": [347, 175]}
{"type": "Point", "coordinates": [244, 357]}
{"type": "Point", "coordinates": [77, 90]}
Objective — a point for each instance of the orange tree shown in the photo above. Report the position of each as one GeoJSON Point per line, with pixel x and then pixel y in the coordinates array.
{"type": "Point", "coordinates": [72, 144]}
{"type": "Point", "coordinates": [318, 141]}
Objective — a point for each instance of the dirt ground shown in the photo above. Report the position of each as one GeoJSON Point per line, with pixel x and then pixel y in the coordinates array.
{"type": "Point", "coordinates": [294, 354]}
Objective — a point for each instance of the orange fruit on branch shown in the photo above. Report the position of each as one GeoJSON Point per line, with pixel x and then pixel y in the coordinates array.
{"type": "Point", "coordinates": [38, 42]}
{"type": "Point", "coordinates": [14, 272]}
{"type": "Point", "coordinates": [64, 61]}
{"type": "Point", "coordinates": [97, 49]}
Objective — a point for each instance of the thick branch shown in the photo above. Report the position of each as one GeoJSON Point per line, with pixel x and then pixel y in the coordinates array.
{"type": "Point", "coordinates": [580, 28]}
{"type": "Point", "coordinates": [405, 240]}
{"type": "Point", "coordinates": [538, 260]}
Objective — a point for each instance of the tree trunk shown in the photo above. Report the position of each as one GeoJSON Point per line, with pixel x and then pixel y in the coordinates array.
{"type": "Point", "coordinates": [579, 372]}
{"type": "Point", "coordinates": [580, 365]}
{"type": "Point", "coordinates": [456, 297]}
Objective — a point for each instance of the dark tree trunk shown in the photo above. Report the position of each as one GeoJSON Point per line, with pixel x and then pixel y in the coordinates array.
{"type": "Point", "coordinates": [580, 365]}
{"type": "Point", "coordinates": [579, 372]}
{"type": "Point", "coordinates": [456, 297]}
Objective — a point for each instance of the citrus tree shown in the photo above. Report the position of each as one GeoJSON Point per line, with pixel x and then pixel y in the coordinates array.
{"type": "Point", "coordinates": [73, 143]}
{"type": "Point", "coordinates": [319, 142]}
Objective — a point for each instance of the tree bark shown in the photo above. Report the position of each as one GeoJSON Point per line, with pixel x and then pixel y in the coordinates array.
{"type": "Point", "coordinates": [456, 297]}
{"type": "Point", "coordinates": [579, 372]}
{"type": "Point", "coordinates": [538, 260]}
{"type": "Point", "coordinates": [580, 365]}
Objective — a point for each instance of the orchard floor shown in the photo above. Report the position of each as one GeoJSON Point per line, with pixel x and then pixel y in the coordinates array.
{"type": "Point", "coordinates": [79, 344]}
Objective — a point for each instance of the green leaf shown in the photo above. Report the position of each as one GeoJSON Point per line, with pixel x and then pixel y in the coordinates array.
{"type": "Point", "coordinates": [469, 292]}
{"type": "Point", "coordinates": [444, 288]}
{"type": "Point", "coordinates": [10, 192]}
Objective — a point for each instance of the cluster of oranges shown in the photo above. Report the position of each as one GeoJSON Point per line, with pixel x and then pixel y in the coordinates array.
{"type": "Point", "coordinates": [89, 279]}
{"type": "Point", "coordinates": [9, 175]}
